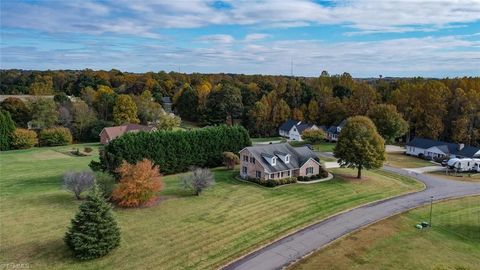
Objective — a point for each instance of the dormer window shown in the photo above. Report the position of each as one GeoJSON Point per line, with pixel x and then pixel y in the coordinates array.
{"type": "Point", "coordinates": [287, 158]}
{"type": "Point", "coordinates": [274, 161]}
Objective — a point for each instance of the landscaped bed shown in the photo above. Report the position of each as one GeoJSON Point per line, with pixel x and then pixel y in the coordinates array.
{"type": "Point", "coordinates": [452, 243]}
{"type": "Point", "coordinates": [185, 231]}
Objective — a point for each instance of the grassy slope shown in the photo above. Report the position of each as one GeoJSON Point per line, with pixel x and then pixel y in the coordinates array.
{"type": "Point", "coordinates": [401, 160]}
{"type": "Point", "coordinates": [267, 139]}
{"type": "Point", "coordinates": [182, 232]}
{"type": "Point", "coordinates": [452, 242]}
{"type": "Point", "coordinates": [468, 177]}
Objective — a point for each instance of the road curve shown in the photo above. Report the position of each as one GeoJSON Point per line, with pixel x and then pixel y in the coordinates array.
{"type": "Point", "coordinates": [293, 247]}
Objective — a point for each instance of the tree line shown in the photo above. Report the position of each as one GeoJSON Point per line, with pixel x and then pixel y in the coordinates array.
{"type": "Point", "coordinates": [447, 109]}
{"type": "Point", "coordinates": [174, 151]}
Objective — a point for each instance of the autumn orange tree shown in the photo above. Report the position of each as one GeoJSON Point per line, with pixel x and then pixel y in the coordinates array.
{"type": "Point", "coordinates": [138, 185]}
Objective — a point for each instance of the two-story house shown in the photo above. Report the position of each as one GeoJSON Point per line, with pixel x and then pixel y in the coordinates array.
{"type": "Point", "coordinates": [276, 161]}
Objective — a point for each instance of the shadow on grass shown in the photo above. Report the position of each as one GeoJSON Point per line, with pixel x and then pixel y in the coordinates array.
{"type": "Point", "coordinates": [463, 232]}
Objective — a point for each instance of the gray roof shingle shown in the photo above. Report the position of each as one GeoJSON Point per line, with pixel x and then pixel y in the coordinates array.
{"type": "Point", "coordinates": [298, 156]}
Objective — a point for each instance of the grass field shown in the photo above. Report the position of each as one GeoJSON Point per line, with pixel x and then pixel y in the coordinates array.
{"type": "Point", "coordinates": [400, 160]}
{"type": "Point", "coordinates": [452, 243]}
{"type": "Point", "coordinates": [468, 177]}
{"type": "Point", "coordinates": [183, 231]}
{"type": "Point", "coordinates": [267, 139]}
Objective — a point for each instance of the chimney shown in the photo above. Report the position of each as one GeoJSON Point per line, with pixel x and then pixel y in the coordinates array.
{"type": "Point", "coordinates": [460, 146]}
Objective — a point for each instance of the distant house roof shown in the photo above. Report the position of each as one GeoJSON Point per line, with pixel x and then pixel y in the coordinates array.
{"type": "Point", "coordinates": [114, 132]}
{"type": "Point", "coordinates": [298, 156]}
{"type": "Point", "coordinates": [335, 129]}
{"type": "Point", "coordinates": [303, 126]}
{"type": "Point", "coordinates": [446, 147]}
{"type": "Point", "coordinates": [469, 151]}
{"type": "Point", "coordinates": [166, 100]}
{"type": "Point", "coordinates": [288, 125]}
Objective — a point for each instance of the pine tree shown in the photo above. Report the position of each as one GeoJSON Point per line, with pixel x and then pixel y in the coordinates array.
{"type": "Point", "coordinates": [7, 127]}
{"type": "Point", "coordinates": [94, 231]}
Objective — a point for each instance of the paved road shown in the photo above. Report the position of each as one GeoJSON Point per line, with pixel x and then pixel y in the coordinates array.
{"type": "Point", "coordinates": [291, 248]}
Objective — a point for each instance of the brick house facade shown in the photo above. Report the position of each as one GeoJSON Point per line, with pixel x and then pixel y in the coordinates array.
{"type": "Point", "coordinates": [277, 161]}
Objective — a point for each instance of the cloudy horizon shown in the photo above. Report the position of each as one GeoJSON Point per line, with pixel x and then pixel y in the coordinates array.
{"type": "Point", "coordinates": [364, 38]}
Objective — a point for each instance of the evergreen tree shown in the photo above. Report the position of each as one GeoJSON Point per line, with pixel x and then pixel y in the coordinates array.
{"type": "Point", "coordinates": [94, 231]}
{"type": "Point", "coordinates": [7, 127]}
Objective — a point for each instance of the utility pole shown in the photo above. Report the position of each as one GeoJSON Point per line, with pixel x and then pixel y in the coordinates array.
{"type": "Point", "coordinates": [431, 207]}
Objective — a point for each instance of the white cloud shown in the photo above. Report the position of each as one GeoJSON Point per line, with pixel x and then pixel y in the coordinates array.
{"type": "Point", "coordinates": [149, 16]}
{"type": "Point", "coordinates": [217, 38]}
{"type": "Point", "coordinates": [255, 37]}
{"type": "Point", "coordinates": [428, 56]}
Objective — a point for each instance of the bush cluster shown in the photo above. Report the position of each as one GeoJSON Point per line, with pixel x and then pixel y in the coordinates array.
{"type": "Point", "coordinates": [24, 138]}
{"type": "Point", "coordinates": [55, 136]}
{"type": "Point", "coordinates": [323, 174]}
{"type": "Point", "coordinates": [175, 151]}
{"type": "Point", "coordinates": [273, 182]}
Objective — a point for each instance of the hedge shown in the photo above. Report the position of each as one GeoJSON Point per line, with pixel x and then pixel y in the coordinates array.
{"type": "Point", "coordinates": [273, 182]}
{"type": "Point", "coordinates": [55, 136]}
{"type": "Point", "coordinates": [24, 138]}
{"type": "Point", "coordinates": [175, 151]}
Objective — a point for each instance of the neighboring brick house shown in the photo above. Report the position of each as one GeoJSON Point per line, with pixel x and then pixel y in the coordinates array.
{"type": "Point", "coordinates": [110, 133]}
{"type": "Point", "coordinates": [276, 161]}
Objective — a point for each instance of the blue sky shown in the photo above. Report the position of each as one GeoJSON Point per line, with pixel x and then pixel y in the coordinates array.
{"type": "Point", "coordinates": [364, 38]}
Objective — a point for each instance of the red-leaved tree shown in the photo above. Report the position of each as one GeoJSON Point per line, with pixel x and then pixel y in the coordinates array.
{"type": "Point", "coordinates": [138, 185]}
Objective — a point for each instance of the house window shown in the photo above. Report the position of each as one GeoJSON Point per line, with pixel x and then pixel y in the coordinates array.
{"type": "Point", "coordinates": [244, 170]}
{"type": "Point", "coordinates": [287, 159]}
{"type": "Point", "coordinates": [258, 174]}
{"type": "Point", "coordinates": [272, 176]}
{"type": "Point", "coordinates": [288, 173]}
{"type": "Point", "coordinates": [309, 170]}
{"type": "Point", "coordinates": [282, 174]}
{"type": "Point", "coordinates": [252, 160]}
{"type": "Point", "coordinates": [278, 175]}
{"type": "Point", "coordinates": [274, 161]}
{"type": "Point", "coordinates": [245, 158]}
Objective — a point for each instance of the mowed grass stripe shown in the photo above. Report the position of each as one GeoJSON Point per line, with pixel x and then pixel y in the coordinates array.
{"type": "Point", "coordinates": [182, 232]}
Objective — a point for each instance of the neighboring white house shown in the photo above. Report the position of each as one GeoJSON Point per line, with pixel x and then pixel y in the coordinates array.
{"type": "Point", "coordinates": [421, 147]}
{"type": "Point", "coordinates": [293, 129]}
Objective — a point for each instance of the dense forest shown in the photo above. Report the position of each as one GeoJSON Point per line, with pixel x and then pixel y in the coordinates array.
{"type": "Point", "coordinates": [446, 109]}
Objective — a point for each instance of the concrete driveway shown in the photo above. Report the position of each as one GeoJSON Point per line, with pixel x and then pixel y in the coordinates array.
{"type": "Point", "coordinates": [293, 247]}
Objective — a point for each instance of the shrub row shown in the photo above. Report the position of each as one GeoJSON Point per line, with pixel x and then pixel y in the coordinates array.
{"type": "Point", "coordinates": [24, 138]}
{"type": "Point", "coordinates": [55, 136]}
{"type": "Point", "coordinates": [322, 174]}
{"type": "Point", "coordinates": [273, 182]}
{"type": "Point", "coordinates": [174, 151]}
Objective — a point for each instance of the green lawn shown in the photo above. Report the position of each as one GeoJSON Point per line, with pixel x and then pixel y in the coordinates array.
{"type": "Point", "coordinates": [183, 231]}
{"type": "Point", "coordinates": [468, 177]}
{"type": "Point", "coordinates": [400, 160]}
{"type": "Point", "coordinates": [320, 147]}
{"type": "Point", "coordinates": [324, 147]}
{"type": "Point", "coordinates": [452, 243]}
{"type": "Point", "coordinates": [267, 139]}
